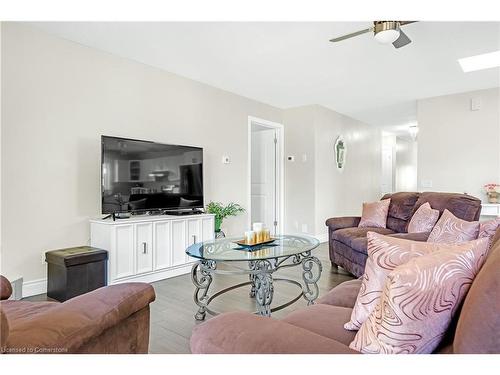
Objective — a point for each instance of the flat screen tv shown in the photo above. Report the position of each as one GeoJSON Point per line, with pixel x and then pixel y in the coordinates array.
{"type": "Point", "coordinates": [147, 176]}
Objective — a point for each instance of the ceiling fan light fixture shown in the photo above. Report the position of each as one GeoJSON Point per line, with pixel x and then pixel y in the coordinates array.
{"type": "Point", "coordinates": [413, 130]}
{"type": "Point", "coordinates": [387, 36]}
{"type": "Point", "coordinates": [386, 32]}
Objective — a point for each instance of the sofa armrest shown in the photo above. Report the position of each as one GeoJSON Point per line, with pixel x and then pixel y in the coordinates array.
{"type": "Point", "coordinates": [5, 288]}
{"type": "Point", "coordinates": [336, 223]}
{"type": "Point", "coordinates": [4, 330]}
{"type": "Point", "coordinates": [412, 236]}
{"type": "Point", "coordinates": [71, 324]}
{"type": "Point", "coordinates": [245, 333]}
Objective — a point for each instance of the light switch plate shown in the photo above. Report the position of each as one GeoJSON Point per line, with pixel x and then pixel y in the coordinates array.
{"type": "Point", "coordinates": [426, 183]}
{"type": "Point", "coordinates": [475, 104]}
{"type": "Point", "coordinates": [226, 160]}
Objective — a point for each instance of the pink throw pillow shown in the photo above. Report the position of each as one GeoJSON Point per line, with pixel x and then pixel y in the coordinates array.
{"type": "Point", "coordinates": [375, 214]}
{"type": "Point", "coordinates": [384, 255]}
{"type": "Point", "coordinates": [424, 219]}
{"type": "Point", "coordinates": [488, 228]}
{"type": "Point", "coordinates": [451, 229]}
{"type": "Point", "coordinates": [420, 299]}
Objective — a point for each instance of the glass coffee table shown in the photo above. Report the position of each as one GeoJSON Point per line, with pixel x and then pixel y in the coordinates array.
{"type": "Point", "coordinates": [259, 264]}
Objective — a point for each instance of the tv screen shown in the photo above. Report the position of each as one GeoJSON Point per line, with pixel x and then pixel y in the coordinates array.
{"type": "Point", "coordinates": [147, 176]}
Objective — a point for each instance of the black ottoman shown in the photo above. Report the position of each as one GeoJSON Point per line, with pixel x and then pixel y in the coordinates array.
{"type": "Point", "coordinates": [75, 271]}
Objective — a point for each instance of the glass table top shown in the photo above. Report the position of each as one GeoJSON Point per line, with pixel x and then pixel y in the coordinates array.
{"type": "Point", "coordinates": [225, 249]}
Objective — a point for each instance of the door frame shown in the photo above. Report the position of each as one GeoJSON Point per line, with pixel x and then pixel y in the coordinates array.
{"type": "Point", "coordinates": [280, 134]}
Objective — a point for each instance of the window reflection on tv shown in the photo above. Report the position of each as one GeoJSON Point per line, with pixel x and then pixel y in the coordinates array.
{"type": "Point", "coordinates": [147, 176]}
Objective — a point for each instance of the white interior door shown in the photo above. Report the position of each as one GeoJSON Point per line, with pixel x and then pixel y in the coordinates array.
{"type": "Point", "coordinates": [387, 185]}
{"type": "Point", "coordinates": [264, 176]}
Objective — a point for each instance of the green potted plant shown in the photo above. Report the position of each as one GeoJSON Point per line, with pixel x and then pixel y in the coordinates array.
{"type": "Point", "coordinates": [221, 212]}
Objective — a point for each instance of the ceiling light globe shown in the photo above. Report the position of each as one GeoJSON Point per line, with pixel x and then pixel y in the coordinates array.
{"type": "Point", "coordinates": [387, 36]}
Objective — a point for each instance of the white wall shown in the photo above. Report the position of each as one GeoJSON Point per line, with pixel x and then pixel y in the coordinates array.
{"type": "Point", "coordinates": [341, 193]}
{"type": "Point", "coordinates": [458, 149]}
{"type": "Point", "coordinates": [58, 97]}
{"type": "Point", "coordinates": [406, 165]}
{"type": "Point", "coordinates": [316, 190]}
{"type": "Point", "coordinates": [299, 175]}
{"type": "Point", "coordinates": [388, 160]}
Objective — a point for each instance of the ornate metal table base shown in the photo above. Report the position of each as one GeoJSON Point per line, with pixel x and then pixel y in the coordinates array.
{"type": "Point", "coordinates": [261, 281]}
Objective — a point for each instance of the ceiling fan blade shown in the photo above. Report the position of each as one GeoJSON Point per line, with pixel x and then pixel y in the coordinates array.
{"type": "Point", "coordinates": [402, 41]}
{"type": "Point", "coordinates": [351, 35]}
{"type": "Point", "coordinates": [402, 23]}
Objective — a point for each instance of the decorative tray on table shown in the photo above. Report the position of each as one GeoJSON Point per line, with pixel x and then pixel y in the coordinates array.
{"type": "Point", "coordinates": [247, 246]}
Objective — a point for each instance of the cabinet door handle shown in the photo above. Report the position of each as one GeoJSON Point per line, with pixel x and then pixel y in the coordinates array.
{"type": "Point", "coordinates": [194, 238]}
{"type": "Point", "coordinates": [144, 247]}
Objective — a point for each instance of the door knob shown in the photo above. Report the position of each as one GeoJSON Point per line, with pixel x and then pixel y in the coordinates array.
{"type": "Point", "coordinates": [144, 247]}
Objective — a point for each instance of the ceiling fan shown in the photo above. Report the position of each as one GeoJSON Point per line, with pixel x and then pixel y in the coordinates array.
{"type": "Point", "coordinates": [385, 32]}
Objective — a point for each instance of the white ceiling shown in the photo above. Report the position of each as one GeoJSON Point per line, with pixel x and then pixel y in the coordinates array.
{"type": "Point", "coordinates": [293, 64]}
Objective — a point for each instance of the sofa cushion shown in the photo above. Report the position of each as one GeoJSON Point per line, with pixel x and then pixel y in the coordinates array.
{"type": "Point", "coordinates": [343, 295]}
{"type": "Point", "coordinates": [400, 210]}
{"type": "Point", "coordinates": [478, 328]}
{"type": "Point", "coordinates": [245, 333]}
{"type": "Point", "coordinates": [325, 320]}
{"type": "Point", "coordinates": [465, 207]}
{"type": "Point", "coordinates": [451, 229]}
{"type": "Point", "coordinates": [420, 299]}
{"type": "Point", "coordinates": [351, 236]}
{"type": "Point", "coordinates": [411, 236]}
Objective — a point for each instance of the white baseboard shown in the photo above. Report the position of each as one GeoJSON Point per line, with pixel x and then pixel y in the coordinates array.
{"type": "Point", "coordinates": [322, 237]}
{"type": "Point", "coordinates": [158, 275]}
{"type": "Point", "coordinates": [34, 287]}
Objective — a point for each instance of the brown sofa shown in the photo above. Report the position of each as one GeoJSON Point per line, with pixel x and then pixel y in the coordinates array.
{"type": "Point", "coordinates": [348, 243]}
{"type": "Point", "coordinates": [319, 328]}
{"type": "Point", "coordinates": [113, 319]}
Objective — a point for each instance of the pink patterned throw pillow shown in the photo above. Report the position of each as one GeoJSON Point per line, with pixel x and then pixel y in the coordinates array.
{"type": "Point", "coordinates": [487, 229]}
{"type": "Point", "coordinates": [384, 255]}
{"type": "Point", "coordinates": [420, 299]}
{"type": "Point", "coordinates": [375, 214]}
{"type": "Point", "coordinates": [424, 219]}
{"type": "Point", "coordinates": [451, 229]}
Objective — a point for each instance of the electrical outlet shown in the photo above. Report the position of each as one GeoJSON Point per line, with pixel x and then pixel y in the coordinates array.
{"type": "Point", "coordinates": [226, 159]}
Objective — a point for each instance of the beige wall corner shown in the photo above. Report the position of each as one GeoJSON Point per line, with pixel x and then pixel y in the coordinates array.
{"type": "Point", "coordinates": [458, 147]}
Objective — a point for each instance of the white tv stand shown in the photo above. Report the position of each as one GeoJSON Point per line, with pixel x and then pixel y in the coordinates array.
{"type": "Point", "coordinates": [149, 248]}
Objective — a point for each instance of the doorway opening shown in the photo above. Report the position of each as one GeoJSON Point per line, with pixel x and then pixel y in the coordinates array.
{"type": "Point", "coordinates": [266, 175]}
